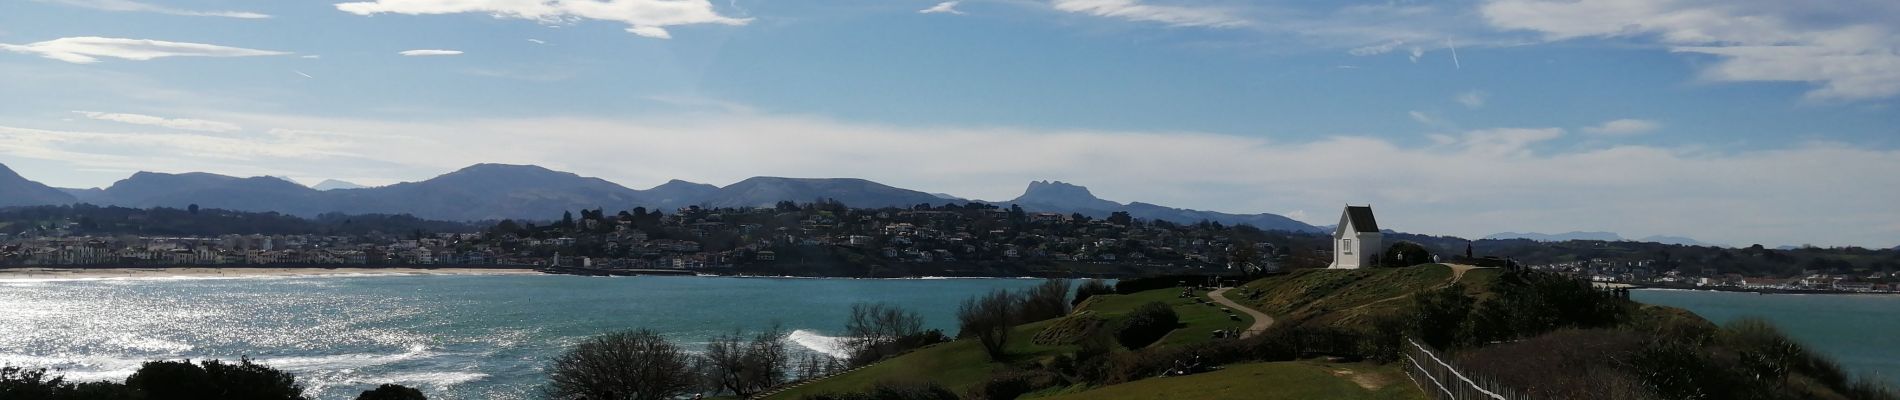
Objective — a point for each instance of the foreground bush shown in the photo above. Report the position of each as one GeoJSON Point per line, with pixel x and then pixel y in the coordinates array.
{"type": "Point", "coordinates": [1146, 325]}
{"type": "Point", "coordinates": [181, 380]}
{"type": "Point", "coordinates": [392, 392]}
{"type": "Point", "coordinates": [894, 391]}
{"type": "Point", "coordinates": [989, 318]}
{"type": "Point", "coordinates": [627, 365]}
{"type": "Point", "coordinates": [1091, 288]}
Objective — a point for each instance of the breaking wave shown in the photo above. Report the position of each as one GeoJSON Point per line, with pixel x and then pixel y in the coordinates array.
{"type": "Point", "coordinates": [829, 345]}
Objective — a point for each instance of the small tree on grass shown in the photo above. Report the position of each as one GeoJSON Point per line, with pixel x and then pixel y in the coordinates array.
{"type": "Point", "coordinates": [1046, 301]}
{"type": "Point", "coordinates": [627, 365]}
{"type": "Point", "coordinates": [874, 328]}
{"type": "Point", "coordinates": [745, 367]}
{"type": "Point", "coordinates": [988, 318]}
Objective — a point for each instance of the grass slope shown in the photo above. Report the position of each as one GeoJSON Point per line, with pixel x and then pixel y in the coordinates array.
{"type": "Point", "coordinates": [961, 363]}
{"type": "Point", "coordinates": [1267, 381]}
{"type": "Point", "coordinates": [1343, 297]}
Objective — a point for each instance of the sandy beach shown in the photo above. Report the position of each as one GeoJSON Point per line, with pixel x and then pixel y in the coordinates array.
{"type": "Point", "coordinates": [205, 272]}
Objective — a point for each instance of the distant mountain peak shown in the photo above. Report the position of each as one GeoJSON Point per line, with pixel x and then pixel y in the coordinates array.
{"type": "Point", "coordinates": [1064, 195]}
{"type": "Point", "coordinates": [1557, 237]}
{"type": "Point", "coordinates": [16, 190]}
{"type": "Point", "coordinates": [333, 184]}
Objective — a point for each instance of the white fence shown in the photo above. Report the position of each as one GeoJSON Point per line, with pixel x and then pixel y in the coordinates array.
{"type": "Point", "coordinates": [1444, 382]}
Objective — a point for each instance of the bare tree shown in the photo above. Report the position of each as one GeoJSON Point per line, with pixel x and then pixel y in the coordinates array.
{"type": "Point", "coordinates": [989, 318]}
{"type": "Point", "coordinates": [744, 367]}
{"type": "Point", "coordinates": [626, 365]}
{"type": "Point", "coordinates": [1046, 301]}
{"type": "Point", "coordinates": [874, 328]}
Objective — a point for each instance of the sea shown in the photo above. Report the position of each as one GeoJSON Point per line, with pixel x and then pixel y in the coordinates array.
{"type": "Point", "coordinates": [1861, 331]}
{"type": "Point", "coordinates": [454, 337]}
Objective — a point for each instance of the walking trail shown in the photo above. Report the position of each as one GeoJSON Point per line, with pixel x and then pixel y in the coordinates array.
{"type": "Point", "coordinates": [1260, 320]}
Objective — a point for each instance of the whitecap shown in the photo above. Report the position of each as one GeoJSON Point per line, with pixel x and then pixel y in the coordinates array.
{"type": "Point", "coordinates": [829, 345]}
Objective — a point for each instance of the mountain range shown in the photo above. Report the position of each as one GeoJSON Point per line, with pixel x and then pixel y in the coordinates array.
{"type": "Point", "coordinates": [1602, 236]}
{"type": "Point", "coordinates": [499, 191]}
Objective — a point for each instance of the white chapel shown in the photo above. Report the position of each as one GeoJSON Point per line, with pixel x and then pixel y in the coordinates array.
{"type": "Point", "coordinates": [1357, 239]}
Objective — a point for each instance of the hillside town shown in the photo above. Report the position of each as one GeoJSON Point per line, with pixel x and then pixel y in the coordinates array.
{"type": "Point", "coordinates": [724, 240]}
{"type": "Point", "coordinates": [826, 238]}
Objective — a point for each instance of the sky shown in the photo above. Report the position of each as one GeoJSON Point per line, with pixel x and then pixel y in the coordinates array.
{"type": "Point", "coordinates": [1729, 121]}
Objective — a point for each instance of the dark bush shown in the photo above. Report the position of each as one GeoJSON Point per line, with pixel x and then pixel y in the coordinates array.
{"type": "Point", "coordinates": [638, 365]}
{"type": "Point", "coordinates": [390, 391]}
{"type": "Point", "coordinates": [1146, 324]}
{"type": "Point", "coordinates": [875, 331]}
{"type": "Point", "coordinates": [1048, 300]}
{"type": "Point", "coordinates": [214, 379]}
{"type": "Point", "coordinates": [888, 390]}
{"type": "Point", "coordinates": [1127, 286]}
{"type": "Point", "coordinates": [1090, 288]}
{"type": "Point", "coordinates": [1012, 383]}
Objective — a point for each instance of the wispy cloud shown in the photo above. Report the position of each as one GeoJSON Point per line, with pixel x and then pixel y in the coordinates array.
{"type": "Point", "coordinates": [1135, 10]}
{"type": "Point", "coordinates": [1472, 99]}
{"type": "Point", "coordinates": [1852, 52]}
{"type": "Point", "coordinates": [88, 49]}
{"type": "Point", "coordinates": [173, 123]}
{"type": "Point", "coordinates": [430, 52]}
{"type": "Point", "coordinates": [948, 7]}
{"type": "Point", "coordinates": [134, 6]}
{"type": "Point", "coordinates": [1623, 127]}
{"type": "Point", "coordinates": [648, 18]}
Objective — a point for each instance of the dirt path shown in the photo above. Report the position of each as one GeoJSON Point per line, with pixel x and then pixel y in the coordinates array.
{"type": "Point", "coordinates": [1260, 320]}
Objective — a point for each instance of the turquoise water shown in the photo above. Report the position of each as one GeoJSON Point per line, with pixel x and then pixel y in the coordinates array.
{"type": "Point", "coordinates": [1860, 331]}
{"type": "Point", "coordinates": [455, 337]}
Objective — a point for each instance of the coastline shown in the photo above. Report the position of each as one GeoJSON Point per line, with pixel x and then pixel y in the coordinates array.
{"type": "Point", "coordinates": [1763, 291]}
{"type": "Point", "coordinates": [81, 273]}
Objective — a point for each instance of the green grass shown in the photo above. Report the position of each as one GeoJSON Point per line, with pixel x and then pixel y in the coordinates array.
{"type": "Point", "coordinates": [1340, 297]}
{"type": "Point", "coordinates": [1197, 321]}
{"type": "Point", "coordinates": [958, 364]}
{"type": "Point", "coordinates": [955, 365]}
{"type": "Point", "coordinates": [1266, 381]}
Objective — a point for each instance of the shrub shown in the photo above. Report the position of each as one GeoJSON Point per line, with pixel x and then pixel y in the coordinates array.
{"type": "Point", "coordinates": [1045, 301]}
{"type": "Point", "coordinates": [1146, 324]}
{"type": "Point", "coordinates": [639, 365]}
{"type": "Point", "coordinates": [214, 379]}
{"type": "Point", "coordinates": [1090, 288]}
{"type": "Point", "coordinates": [390, 391]}
{"type": "Point", "coordinates": [1012, 383]}
{"type": "Point", "coordinates": [888, 390]}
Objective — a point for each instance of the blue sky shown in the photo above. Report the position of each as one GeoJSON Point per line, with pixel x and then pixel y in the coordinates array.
{"type": "Point", "coordinates": [1729, 121]}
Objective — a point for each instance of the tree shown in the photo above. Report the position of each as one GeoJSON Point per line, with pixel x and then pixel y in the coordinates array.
{"type": "Point", "coordinates": [1121, 218]}
{"type": "Point", "coordinates": [874, 329]}
{"type": "Point", "coordinates": [625, 365]}
{"type": "Point", "coordinates": [193, 208]}
{"type": "Point", "coordinates": [390, 391]}
{"type": "Point", "coordinates": [1045, 301]}
{"type": "Point", "coordinates": [989, 318]}
{"type": "Point", "coordinates": [745, 368]}
{"type": "Point", "coordinates": [1090, 288]}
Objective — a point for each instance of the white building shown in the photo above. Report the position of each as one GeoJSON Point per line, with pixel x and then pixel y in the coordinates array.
{"type": "Point", "coordinates": [1356, 241]}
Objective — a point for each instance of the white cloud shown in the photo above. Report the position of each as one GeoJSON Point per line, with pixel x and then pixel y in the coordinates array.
{"type": "Point", "coordinates": [1624, 127]}
{"type": "Point", "coordinates": [310, 56]}
{"type": "Point", "coordinates": [1424, 118]}
{"type": "Point", "coordinates": [1851, 50]}
{"type": "Point", "coordinates": [538, 41]}
{"type": "Point", "coordinates": [1135, 10]}
{"type": "Point", "coordinates": [1468, 183]}
{"type": "Point", "coordinates": [430, 52]}
{"type": "Point", "coordinates": [648, 18]}
{"type": "Point", "coordinates": [88, 49]}
{"type": "Point", "coordinates": [1472, 99]}
{"type": "Point", "coordinates": [1376, 49]}
{"type": "Point", "coordinates": [948, 7]}
{"type": "Point", "coordinates": [174, 123]}
{"type": "Point", "coordinates": [134, 6]}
